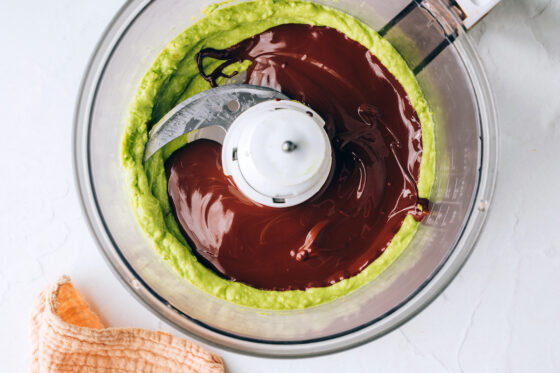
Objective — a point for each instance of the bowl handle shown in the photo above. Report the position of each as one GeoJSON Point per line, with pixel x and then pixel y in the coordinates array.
{"type": "Point", "coordinates": [475, 10]}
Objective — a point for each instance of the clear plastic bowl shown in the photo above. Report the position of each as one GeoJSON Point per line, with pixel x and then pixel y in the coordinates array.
{"type": "Point", "coordinates": [457, 91]}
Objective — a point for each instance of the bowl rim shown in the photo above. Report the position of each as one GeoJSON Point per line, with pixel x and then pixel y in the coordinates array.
{"type": "Point", "coordinates": [406, 310]}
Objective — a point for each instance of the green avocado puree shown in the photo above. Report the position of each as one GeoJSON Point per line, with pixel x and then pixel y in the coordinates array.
{"type": "Point", "coordinates": [173, 77]}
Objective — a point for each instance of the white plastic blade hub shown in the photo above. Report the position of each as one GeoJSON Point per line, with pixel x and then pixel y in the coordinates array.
{"type": "Point", "coordinates": [278, 153]}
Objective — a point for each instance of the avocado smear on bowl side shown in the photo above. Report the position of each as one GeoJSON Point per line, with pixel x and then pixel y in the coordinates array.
{"type": "Point", "coordinates": [174, 77]}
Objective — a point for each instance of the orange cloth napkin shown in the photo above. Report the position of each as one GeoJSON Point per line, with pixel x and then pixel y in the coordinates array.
{"type": "Point", "coordinates": [66, 336]}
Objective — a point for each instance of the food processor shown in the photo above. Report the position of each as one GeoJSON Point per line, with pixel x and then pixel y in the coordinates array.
{"type": "Point", "coordinates": [431, 36]}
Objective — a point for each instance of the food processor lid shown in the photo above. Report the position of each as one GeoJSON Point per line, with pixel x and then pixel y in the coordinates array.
{"type": "Point", "coordinates": [278, 153]}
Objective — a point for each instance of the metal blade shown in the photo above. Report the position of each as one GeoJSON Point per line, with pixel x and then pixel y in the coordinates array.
{"type": "Point", "coordinates": [210, 113]}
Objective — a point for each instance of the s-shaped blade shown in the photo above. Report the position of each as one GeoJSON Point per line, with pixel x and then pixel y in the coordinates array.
{"type": "Point", "coordinates": [207, 115]}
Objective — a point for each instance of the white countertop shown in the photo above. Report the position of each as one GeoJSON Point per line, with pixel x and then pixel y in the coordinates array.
{"type": "Point", "coordinates": [501, 314]}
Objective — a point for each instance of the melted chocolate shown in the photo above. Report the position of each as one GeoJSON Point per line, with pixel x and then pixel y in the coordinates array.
{"type": "Point", "coordinates": [377, 145]}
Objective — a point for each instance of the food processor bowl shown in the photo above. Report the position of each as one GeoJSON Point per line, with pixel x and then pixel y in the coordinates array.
{"type": "Point", "coordinates": [466, 145]}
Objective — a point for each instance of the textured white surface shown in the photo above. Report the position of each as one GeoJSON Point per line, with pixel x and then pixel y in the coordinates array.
{"type": "Point", "coordinates": [502, 312]}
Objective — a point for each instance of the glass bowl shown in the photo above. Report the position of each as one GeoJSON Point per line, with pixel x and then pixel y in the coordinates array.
{"type": "Point", "coordinates": [466, 143]}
